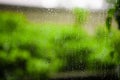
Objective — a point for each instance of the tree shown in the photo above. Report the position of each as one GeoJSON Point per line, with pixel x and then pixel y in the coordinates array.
{"type": "Point", "coordinates": [113, 12]}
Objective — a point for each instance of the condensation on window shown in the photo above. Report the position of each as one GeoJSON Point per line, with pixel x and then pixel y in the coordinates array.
{"type": "Point", "coordinates": [59, 40]}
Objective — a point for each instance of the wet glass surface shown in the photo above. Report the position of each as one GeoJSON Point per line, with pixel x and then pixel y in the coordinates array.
{"type": "Point", "coordinates": [59, 40]}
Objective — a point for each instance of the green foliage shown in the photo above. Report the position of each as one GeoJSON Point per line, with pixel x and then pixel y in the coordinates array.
{"type": "Point", "coordinates": [30, 51]}
{"type": "Point", "coordinates": [80, 16]}
{"type": "Point", "coordinates": [24, 49]}
{"type": "Point", "coordinates": [105, 55]}
{"type": "Point", "coordinates": [111, 1]}
{"type": "Point", "coordinates": [109, 18]}
{"type": "Point", "coordinates": [10, 21]}
{"type": "Point", "coordinates": [115, 43]}
{"type": "Point", "coordinates": [113, 11]}
{"type": "Point", "coordinates": [71, 46]}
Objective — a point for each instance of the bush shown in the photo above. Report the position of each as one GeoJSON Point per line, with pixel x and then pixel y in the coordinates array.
{"type": "Point", "coordinates": [105, 55]}
{"type": "Point", "coordinates": [73, 46]}
{"type": "Point", "coordinates": [115, 44]}
{"type": "Point", "coordinates": [81, 16]}
{"type": "Point", "coordinates": [24, 52]}
{"type": "Point", "coordinates": [30, 51]}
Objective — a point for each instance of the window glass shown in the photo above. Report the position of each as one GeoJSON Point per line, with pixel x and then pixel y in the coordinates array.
{"type": "Point", "coordinates": [59, 39]}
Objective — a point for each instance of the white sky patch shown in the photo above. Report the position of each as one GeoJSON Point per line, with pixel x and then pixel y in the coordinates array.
{"type": "Point", "coordinates": [48, 3]}
{"type": "Point", "coordinates": [91, 4]}
{"type": "Point", "coordinates": [95, 4]}
{"type": "Point", "coordinates": [80, 3]}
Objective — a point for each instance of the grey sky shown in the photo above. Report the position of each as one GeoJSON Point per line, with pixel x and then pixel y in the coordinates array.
{"type": "Point", "coordinates": [69, 4]}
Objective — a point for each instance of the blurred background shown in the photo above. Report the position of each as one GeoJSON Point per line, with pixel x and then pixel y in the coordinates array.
{"type": "Point", "coordinates": [59, 39]}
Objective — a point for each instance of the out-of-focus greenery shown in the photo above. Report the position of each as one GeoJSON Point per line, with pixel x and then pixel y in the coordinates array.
{"type": "Point", "coordinates": [113, 11]}
{"type": "Point", "coordinates": [111, 1]}
{"type": "Point", "coordinates": [35, 51]}
{"type": "Point", "coordinates": [105, 56]}
{"type": "Point", "coordinates": [73, 47]}
{"type": "Point", "coordinates": [25, 49]}
{"type": "Point", "coordinates": [81, 16]}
